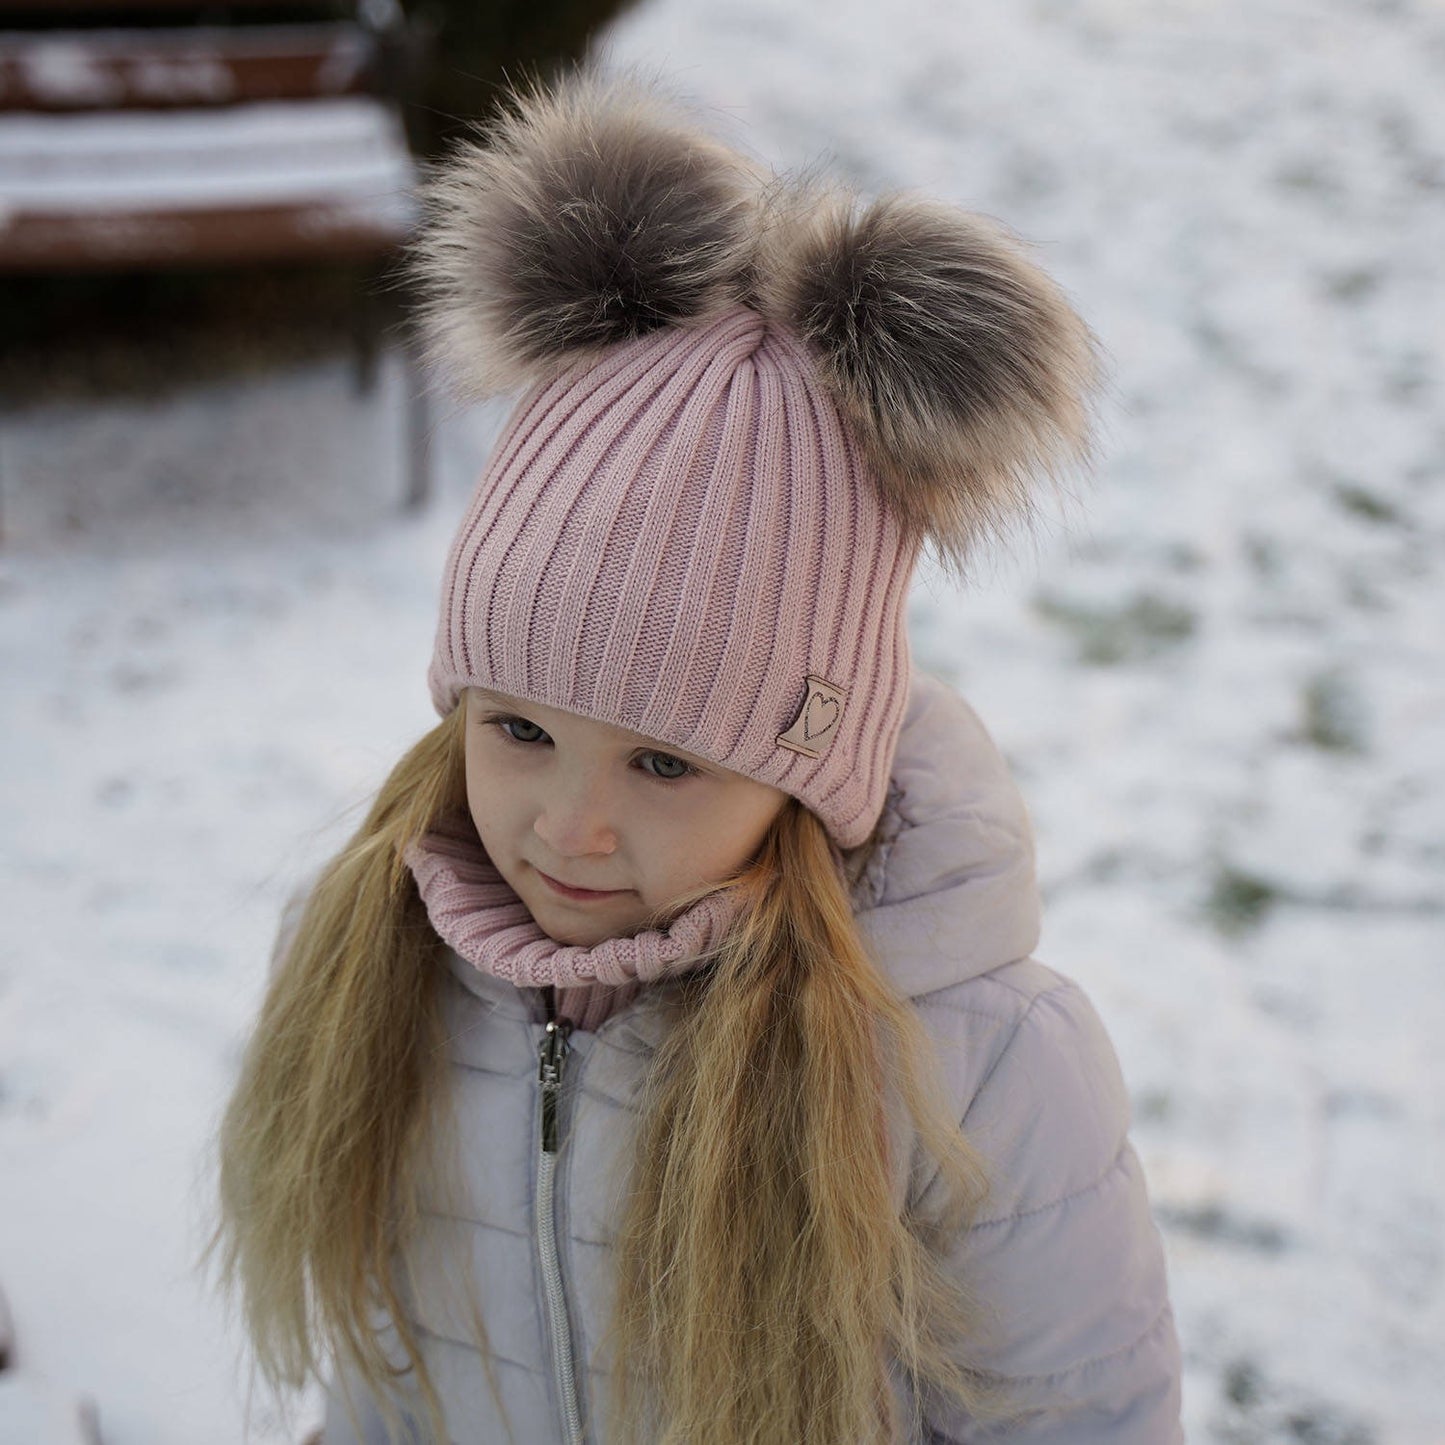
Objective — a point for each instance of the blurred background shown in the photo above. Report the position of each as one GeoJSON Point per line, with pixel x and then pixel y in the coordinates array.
{"type": "Point", "coordinates": [225, 500]}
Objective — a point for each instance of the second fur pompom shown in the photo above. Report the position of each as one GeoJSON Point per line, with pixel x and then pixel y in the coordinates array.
{"type": "Point", "coordinates": [961, 368]}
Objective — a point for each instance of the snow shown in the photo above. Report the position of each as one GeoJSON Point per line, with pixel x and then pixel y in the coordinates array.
{"type": "Point", "coordinates": [1218, 676]}
{"type": "Point", "coordinates": [33, 1415]}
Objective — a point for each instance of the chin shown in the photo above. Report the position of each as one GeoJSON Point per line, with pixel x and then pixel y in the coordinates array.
{"type": "Point", "coordinates": [575, 932]}
{"type": "Point", "coordinates": [561, 929]}
{"type": "Point", "coordinates": [572, 936]}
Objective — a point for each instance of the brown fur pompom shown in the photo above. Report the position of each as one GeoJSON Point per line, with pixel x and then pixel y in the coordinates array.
{"type": "Point", "coordinates": [589, 215]}
{"type": "Point", "coordinates": [963, 372]}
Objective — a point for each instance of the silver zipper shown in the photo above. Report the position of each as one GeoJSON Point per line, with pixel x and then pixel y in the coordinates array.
{"type": "Point", "coordinates": [553, 1055]}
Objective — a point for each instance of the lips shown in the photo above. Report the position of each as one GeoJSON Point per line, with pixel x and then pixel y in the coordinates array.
{"type": "Point", "coordinates": [581, 894]}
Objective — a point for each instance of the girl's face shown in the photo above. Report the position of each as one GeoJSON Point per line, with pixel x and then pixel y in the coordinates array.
{"type": "Point", "coordinates": [562, 797]}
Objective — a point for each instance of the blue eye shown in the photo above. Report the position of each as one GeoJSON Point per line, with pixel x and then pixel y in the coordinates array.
{"type": "Point", "coordinates": [668, 760]}
{"type": "Point", "coordinates": [507, 723]}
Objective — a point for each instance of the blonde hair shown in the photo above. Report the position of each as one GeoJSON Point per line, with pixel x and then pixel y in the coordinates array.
{"type": "Point", "coordinates": [765, 1272]}
{"type": "Point", "coordinates": [320, 1146]}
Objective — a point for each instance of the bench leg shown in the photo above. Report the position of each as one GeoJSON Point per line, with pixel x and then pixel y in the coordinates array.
{"type": "Point", "coordinates": [363, 330]}
{"type": "Point", "coordinates": [4, 483]}
{"type": "Point", "coordinates": [418, 421]}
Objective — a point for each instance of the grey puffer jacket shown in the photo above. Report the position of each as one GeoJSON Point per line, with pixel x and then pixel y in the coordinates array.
{"type": "Point", "coordinates": [1065, 1253]}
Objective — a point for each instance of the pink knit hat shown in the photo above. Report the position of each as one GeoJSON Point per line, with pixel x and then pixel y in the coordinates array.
{"type": "Point", "coordinates": [746, 410]}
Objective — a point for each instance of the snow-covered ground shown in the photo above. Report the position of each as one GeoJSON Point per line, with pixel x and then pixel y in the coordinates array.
{"type": "Point", "coordinates": [1223, 692]}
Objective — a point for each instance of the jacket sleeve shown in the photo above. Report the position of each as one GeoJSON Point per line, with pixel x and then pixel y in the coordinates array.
{"type": "Point", "coordinates": [1064, 1256]}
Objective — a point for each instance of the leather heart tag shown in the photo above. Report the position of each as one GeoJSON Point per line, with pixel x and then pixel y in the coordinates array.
{"type": "Point", "coordinates": [816, 724]}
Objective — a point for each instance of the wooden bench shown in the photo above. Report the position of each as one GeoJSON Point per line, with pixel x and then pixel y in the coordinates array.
{"type": "Point", "coordinates": [170, 133]}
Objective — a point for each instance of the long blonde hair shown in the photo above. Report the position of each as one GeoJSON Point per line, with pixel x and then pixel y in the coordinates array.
{"type": "Point", "coordinates": [765, 1271]}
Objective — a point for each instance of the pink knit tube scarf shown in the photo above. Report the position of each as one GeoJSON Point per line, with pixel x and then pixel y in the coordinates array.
{"type": "Point", "coordinates": [477, 913]}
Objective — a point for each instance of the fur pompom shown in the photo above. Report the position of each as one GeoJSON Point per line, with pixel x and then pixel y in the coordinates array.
{"type": "Point", "coordinates": [963, 372]}
{"type": "Point", "coordinates": [589, 215]}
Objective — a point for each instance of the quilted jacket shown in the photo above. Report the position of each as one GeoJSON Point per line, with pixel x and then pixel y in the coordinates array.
{"type": "Point", "coordinates": [1065, 1253]}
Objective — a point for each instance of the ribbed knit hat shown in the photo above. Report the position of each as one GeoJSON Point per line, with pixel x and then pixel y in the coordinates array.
{"type": "Point", "coordinates": [746, 407]}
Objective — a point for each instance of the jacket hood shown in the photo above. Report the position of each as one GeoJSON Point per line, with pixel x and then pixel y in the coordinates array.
{"type": "Point", "coordinates": [952, 892]}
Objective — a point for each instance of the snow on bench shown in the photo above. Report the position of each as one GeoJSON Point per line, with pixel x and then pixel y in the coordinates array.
{"type": "Point", "coordinates": [264, 180]}
{"type": "Point", "coordinates": [199, 65]}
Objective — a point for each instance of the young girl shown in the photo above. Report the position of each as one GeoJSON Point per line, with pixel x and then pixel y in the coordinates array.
{"type": "Point", "coordinates": [663, 1059]}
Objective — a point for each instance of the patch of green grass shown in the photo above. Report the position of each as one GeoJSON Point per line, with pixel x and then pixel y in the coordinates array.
{"type": "Point", "coordinates": [1238, 901]}
{"type": "Point", "coordinates": [1408, 378]}
{"type": "Point", "coordinates": [1324, 1426]}
{"type": "Point", "coordinates": [1141, 628]}
{"type": "Point", "coordinates": [1222, 1226]}
{"type": "Point", "coordinates": [1184, 557]}
{"type": "Point", "coordinates": [1154, 1106]}
{"type": "Point", "coordinates": [1366, 504]}
{"type": "Point", "coordinates": [1356, 283]}
{"type": "Point", "coordinates": [1242, 1383]}
{"type": "Point", "coordinates": [1262, 554]}
{"type": "Point", "coordinates": [1332, 715]}
{"type": "Point", "coordinates": [1257, 1410]}
{"type": "Point", "coordinates": [1308, 176]}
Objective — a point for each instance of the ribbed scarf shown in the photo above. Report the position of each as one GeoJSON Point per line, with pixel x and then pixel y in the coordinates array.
{"type": "Point", "coordinates": [477, 912]}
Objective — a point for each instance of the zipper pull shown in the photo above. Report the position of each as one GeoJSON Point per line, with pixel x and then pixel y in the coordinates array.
{"type": "Point", "coordinates": [552, 1054]}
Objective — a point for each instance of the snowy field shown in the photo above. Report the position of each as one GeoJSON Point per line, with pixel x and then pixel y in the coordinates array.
{"type": "Point", "coordinates": [1222, 692]}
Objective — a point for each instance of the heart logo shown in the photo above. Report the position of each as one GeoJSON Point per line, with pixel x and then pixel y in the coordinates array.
{"type": "Point", "coordinates": [830, 705]}
{"type": "Point", "coordinates": [816, 724]}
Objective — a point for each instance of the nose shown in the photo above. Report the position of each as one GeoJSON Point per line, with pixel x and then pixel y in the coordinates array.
{"type": "Point", "coordinates": [575, 821]}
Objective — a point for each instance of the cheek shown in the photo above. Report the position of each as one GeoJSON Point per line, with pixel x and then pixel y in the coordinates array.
{"type": "Point", "coordinates": [723, 836]}
{"type": "Point", "coordinates": [479, 783]}
{"type": "Point", "coordinates": [492, 797]}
